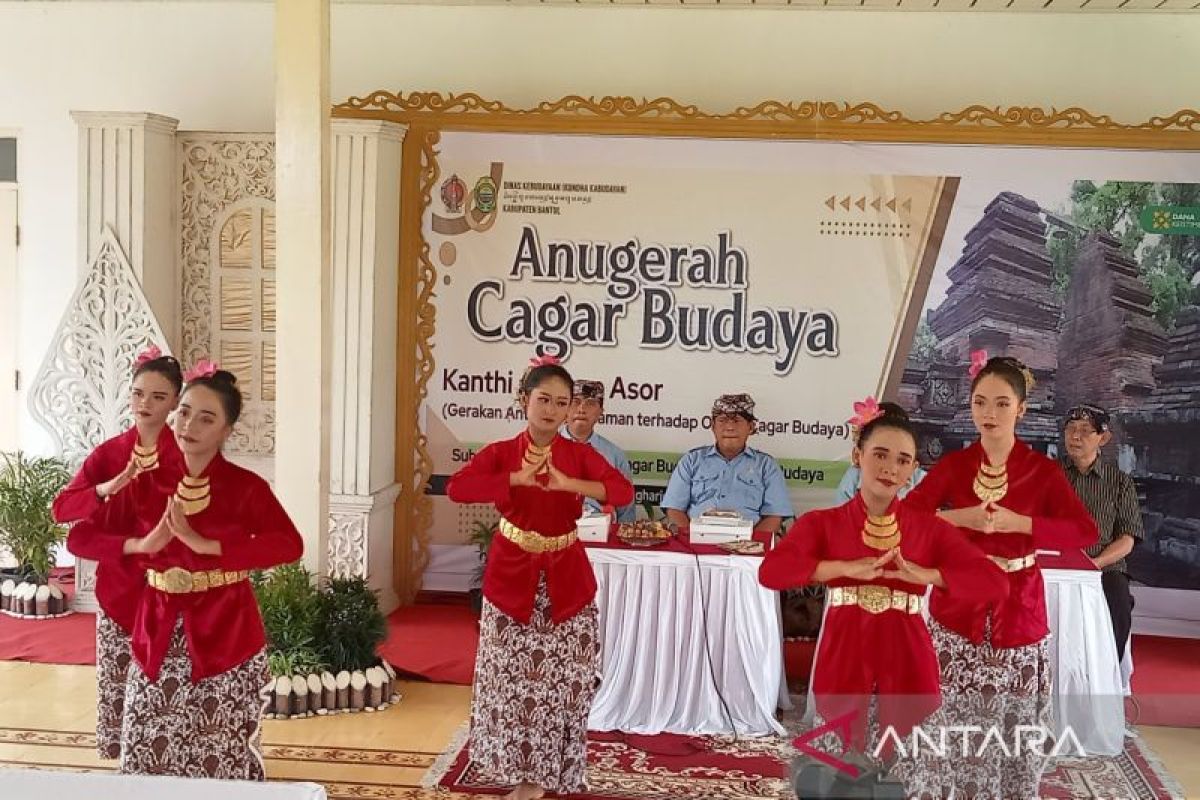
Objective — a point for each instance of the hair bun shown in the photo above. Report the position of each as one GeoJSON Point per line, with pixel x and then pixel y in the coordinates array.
{"type": "Point", "coordinates": [226, 376]}
{"type": "Point", "coordinates": [894, 410]}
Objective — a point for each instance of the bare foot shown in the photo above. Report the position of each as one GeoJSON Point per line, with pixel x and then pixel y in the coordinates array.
{"type": "Point", "coordinates": [525, 791]}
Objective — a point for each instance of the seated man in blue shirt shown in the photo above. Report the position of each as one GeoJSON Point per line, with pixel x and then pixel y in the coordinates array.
{"type": "Point", "coordinates": [728, 475]}
{"type": "Point", "coordinates": [587, 406]}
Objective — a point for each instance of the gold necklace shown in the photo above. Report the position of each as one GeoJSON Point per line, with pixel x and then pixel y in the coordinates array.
{"type": "Point", "coordinates": [539, 455]}
{"type": "Point", "coordinates": [146, 457]}
{"type": "Point", "coordinates": [991, 483]}
{"type": "Point", "coordinates": [881, 533]}
{"type": "Point", "coordinates": [193, 494]}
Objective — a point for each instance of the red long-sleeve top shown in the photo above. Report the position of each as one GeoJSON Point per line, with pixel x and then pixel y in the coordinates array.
{"type": "Point", "coordinates": [118, 583]}
{"type": "Point", "coordinates": [511, 575]}
{"type": "Point", "coordinates": [889, 654]}
{"type": "Point", "coordinates": [1038, 489]}
{"type": "Point", "coordinates": [222, 626]}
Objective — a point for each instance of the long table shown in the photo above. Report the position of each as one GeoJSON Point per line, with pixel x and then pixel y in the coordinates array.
{"type": "Point", "coordinates": [1088, 693]}
{"type": "Point", "coordinates": [692, 642]}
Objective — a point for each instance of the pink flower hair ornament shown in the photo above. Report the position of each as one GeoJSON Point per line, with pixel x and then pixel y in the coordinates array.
{"type": "Point", "coordinates": [865, 412]}
{"type": "Point", "coordinates": [146, 356]}
{"type": "Point", "coordinates": [979, 359]}
{"type": "Point", "coordinates": [544, 361]}
{"type": "Point", "coordinates": [204, 368]}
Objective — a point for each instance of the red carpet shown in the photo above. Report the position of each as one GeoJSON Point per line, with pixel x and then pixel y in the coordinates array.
{"type": "Point", "coordinates": [62, 640]}
{"type": "Point", "coordinates": [670, 766]}
{"type": "Point", "coordinates": [433, 640]}
{"type": "Point", "coordinates": [1165, 685]}
{"type": "Point", "coordinates": [65, 640]}
{"type": "Point", "coordinates": [626, 767]}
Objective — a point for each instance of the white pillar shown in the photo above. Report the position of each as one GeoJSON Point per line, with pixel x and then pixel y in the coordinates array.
{"type": "Point", "coordinates": [127, 186]}
{"type": "Point", "coordinates": [366, 246]}
{"type": "Point", "coordinates": [302, 263]}
{"type": "Point", "coordinates": [127, 183]}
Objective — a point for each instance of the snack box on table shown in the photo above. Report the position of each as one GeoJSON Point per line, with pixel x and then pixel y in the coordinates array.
{"type": "Point", "coordinates": [593, 527]}
{"type": "Point", "coordinates": [719, 527]}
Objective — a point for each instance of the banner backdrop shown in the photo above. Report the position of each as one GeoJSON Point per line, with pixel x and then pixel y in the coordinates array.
{"type": "Point", "coordinates": [678, 270]}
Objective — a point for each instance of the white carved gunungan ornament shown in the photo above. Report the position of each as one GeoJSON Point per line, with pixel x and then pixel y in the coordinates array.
{"type": "Point", "coordinates": [81, 392]}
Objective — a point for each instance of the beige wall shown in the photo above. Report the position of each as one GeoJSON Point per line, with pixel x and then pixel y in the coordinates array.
{"type": "Point", "coordinates": [1127, 65]}
{"type": "Point", "coordinates": [209, 64]}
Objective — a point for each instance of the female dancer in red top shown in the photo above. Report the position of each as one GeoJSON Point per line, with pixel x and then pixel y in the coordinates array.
{"type": "Point", "coordinates": [539, 649]}
{"type": "Point", "coordinates": [193, 704]}
{"type": "Point", "coordinates": [137, 452]}
{"type": "Point", "coordinates": [877, 555]}
{"type": "Point", "coordinates": [1009, 500]}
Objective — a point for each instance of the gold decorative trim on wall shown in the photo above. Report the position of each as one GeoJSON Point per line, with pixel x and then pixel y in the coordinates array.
{"type": "Point", "coordinates": [809, 119]}
{"type": "Point", "coordinates": [422, 516]}
{"type": "Point", "coordinates": [428, 113]}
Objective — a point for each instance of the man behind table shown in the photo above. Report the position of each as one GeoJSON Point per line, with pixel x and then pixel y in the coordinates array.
{"type": "Point", "coordinates": [728, 475]}
{"type": "Point", "coordinates": [1111, 498]}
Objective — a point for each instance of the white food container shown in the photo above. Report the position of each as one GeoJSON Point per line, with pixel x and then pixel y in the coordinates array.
{"type": "Point", "coordinates": [716, 530]}
{"type": "Point", "coordinates": [593, 527]}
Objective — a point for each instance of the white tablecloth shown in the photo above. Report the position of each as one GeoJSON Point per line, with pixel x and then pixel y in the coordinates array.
{"type": "Point", "coordinates": [1088, 694]}
{"type": "Point", "coordinates": [24, 784]}
{"type": "Point", "coordinates": [657, 674]}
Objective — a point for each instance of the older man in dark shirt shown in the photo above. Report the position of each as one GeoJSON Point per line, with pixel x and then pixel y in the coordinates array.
{"type": "Point", "coordinates": [1110, 496]}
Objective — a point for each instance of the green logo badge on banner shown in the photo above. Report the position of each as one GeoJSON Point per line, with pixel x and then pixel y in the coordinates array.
{"type": "Point", "coordinates": [1171, 220]}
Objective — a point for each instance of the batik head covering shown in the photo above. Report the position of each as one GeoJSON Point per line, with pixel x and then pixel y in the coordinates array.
{"type": "Point", "coordinates": [1093, 414]}
{"type": "Point", "coordinates": [741, 404]}
{"type": "Point", "coordinates": [589, 390]}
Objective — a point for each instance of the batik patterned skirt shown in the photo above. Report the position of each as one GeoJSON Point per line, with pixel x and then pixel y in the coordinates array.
{"type": "Point", "coordinates": [534, 685]}
{"type": "Point", "coordinates": [112, 665]}
{"type": "Point", "coordinates": [992, 692]}
{"type": "Point", "coordinates": [207, 729]}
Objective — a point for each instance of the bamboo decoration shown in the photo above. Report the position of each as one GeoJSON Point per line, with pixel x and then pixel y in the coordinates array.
{"type": "Point", "coordinates": [314, 695]}
{"type": "Point", "coordinates": [328, 693]}
{"type": "Point", "coordinates": [41, 601]}
{"type": "Point", "coordinates": [300, 701]}
{"type": "Point", "coordinates": [343, 690]}
{"type": "Point", "coordinates": [58, 600]}
{"type": "Point", "coordinates": [375, 680]}
{"type": "Point", "coordinates": [32, 600]}
{"type": "Point", "coordinates": [358, 695]}
{"type": "Point", "coordinates": [283, 697]}
{"type": "Point", "coordinates": [297, 696]}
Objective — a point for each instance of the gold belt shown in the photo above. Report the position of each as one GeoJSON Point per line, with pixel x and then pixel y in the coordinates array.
{"type": "Point", "coordinates": [177, 580]}
{"type": "Point", "coordinates": [1018, 564]}
{"type": "Point", "coordinates": [533, 542]}
{"type": "Point", "coordinates": [875, 599]}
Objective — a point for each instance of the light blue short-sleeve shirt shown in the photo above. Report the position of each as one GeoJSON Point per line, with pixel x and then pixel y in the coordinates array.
{"type": "Point", "coordinates": [613, 455]}
{"type": "Point", "coordinates": [751, 483]}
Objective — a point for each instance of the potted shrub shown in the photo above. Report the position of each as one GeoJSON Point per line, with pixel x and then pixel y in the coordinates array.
{"type": "Point", "coordinates": [287, 600]}
{"type": "Point", "coordinates": [321, 644]}
{"type": "Point", "coordinates": [350, 627]}
{"type": "Point", "coordinates": [29, 533]}
{"type": "Point", "coordinates": [481, 537]}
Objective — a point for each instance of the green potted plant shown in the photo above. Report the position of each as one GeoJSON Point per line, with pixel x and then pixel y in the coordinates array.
{"type": "Point", "coordinates": [350, 627]}
{"type": "Point", "coordinates": [288, 601]}
{"type": "Point", "coordinates": [481, 537]}
{"type": "Point", "coordinates": [28, 531]}
{"type": "Point", "coordinates": [322, 643]}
